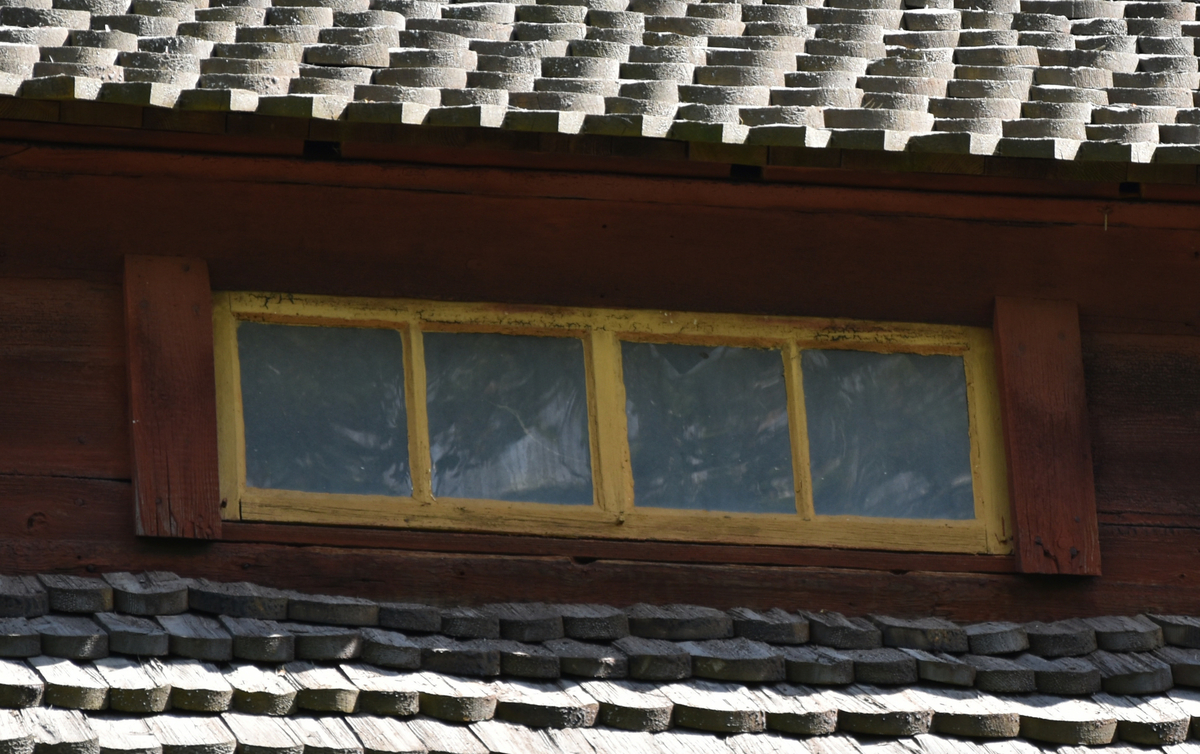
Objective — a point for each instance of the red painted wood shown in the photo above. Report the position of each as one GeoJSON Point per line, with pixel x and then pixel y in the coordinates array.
{"type": "Point", "coordinates": [1144, 406]}
{"type": "Point", "coordinates": [813, 193]}
{"type": "Point", "coordinates": [93, 123]}
{"type": "Point", "coordinates": [604, 240]}
{"type": "Point", "coordinates": [63, 418]}
{"type": "Point", "coordinates": [1044, 405]}
{"type": "Point", "coordinates": [587, 239]}
{"type": "Point", "coordinates": [62, 378]}
{"type": "Point", "coordinates": [60, 320]}
{"type": "Point", "coordinates": [182, 139]}
{"type": "Point", "coordinates": [41, 509]}
{"type": "Point", "coordinates": [597, 549]}
{"type": "Point", "coordinates": [85, 526]}
{"type": "Point", "coordinates": [172, 397]}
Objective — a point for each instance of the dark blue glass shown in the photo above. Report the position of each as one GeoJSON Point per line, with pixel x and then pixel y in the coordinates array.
{"type": "Point", "coordinates": [888, 434]}
{"type": "Point", "coordinates": [708, 428]}
{"type": "Point", "coordinates": [508, 418]}
{"type": "Point", "coordinates": [324, 409]}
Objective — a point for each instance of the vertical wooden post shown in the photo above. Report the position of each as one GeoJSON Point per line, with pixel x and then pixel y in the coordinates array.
{"type": "Point", "coordinates": [172, 397]}
{"type": "Point", "coordinates": [1039, 359]}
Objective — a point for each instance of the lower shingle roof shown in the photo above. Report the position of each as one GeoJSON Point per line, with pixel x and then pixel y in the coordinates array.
{"type": "Point", "coordinates": [155, 663]}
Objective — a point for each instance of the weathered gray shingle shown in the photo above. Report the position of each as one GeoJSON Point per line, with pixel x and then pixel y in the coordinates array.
{"type": "Point", "coordinates": [1100, 80]}
{"type": "Point", "coordinates": [781, 693]}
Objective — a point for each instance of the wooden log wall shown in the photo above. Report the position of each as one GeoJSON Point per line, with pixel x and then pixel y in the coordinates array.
{"type": "Point", "coordinates": [804, 244]}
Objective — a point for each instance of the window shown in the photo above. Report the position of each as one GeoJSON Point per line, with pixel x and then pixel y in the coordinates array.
{"type": "Point", "coordinates": [606, 423]}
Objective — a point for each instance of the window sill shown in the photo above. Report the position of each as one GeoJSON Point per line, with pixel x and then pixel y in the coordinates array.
{"type": "Point", "coordinates": [585, 551]}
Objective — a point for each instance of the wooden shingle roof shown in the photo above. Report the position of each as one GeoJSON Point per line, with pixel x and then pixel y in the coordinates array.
{"type": "Point", "coordinates": [1087, 80]}
{"type": "Point", "coordinates": [156, 663]}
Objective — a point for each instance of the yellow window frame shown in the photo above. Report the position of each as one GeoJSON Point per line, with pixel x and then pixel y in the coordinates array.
{"type": "Point", "coordinates": [614, 514]}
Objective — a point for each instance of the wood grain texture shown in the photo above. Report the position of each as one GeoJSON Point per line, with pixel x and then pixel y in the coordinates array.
{"type": "Point", "coordinates": [1039, 363]}
{"type": "Point", "coordinates": [62, 375]}
{"type": "Point", "coordinates": [85, 527]}
{"type": "Point", "coordinates": [195, 686]}
{"type": "Point", "coordinates": [1142, 390]}
{"type": "Point", "coordinates": [582, 238]}
{"type": "Point", "coordinates": [192, 734]}
{"type": "Point", "coordinates": [1146, 569]}
{"type": "Point", "coordinates": [127, 735]}
{"type": "Point", "coordinates": [38, 508]}
{"type": "Point", "coordinates": [164, 139]}
{"type": "Point", "coordinates": [1144, 408]}
{"type": "Point", "coordinates": [64, 730]}
{"type": "Point", "coordinates": [262, 734]}
{"type": "Point", "coordinates": [70, 685]}
{"type": "Point", "coordinates": [172, 397]}
{"type": "Point", "coordinates": [98, 123]}
{"type": "Point", "coordinates": [587, 550]}
{"type": "Point", "coordinates": [63, 419]}
{"type": "Point", "coordinates": [61, 320]}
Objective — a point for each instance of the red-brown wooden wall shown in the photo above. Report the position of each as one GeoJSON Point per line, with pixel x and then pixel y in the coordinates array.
{"type": "Point", "coordinates": [934, 249]}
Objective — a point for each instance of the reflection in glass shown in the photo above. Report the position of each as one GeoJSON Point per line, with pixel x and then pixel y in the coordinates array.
{"type": "Point", "coordinates": [888, 434]}
{"type": "Point", "coordinates": [508, 418]}
{"type": "Point", "coordinates": [324, 409]}
{"type": "Point", "coordinates": [708, 428]}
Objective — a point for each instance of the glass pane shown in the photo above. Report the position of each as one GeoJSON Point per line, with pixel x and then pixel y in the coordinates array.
{"type": "Point", "coordinates": [508, 418]}
{"type": "Point", "coordinates": [887, 434]}
{"type": "Point", "coordinates": [708, 428]}
{"type": "Point", "coordinates": [324, 409]}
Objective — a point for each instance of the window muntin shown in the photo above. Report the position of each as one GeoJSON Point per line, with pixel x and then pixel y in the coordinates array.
{"type": "Point", "coordinates": [614, 512]}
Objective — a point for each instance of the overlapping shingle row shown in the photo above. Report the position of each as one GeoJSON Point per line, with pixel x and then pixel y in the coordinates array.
{"type": "Point", "coordinates": [320, 674]}
{"type": "Point", "coordinates": [1067, 79]}
{"type": "Point", "coordinates": [157, 615]}
{"type": "Point", "coordinates": [70, 732]}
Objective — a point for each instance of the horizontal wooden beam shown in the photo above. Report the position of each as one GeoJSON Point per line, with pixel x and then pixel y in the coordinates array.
{"type": "Point", "coordinates": [587, 550]}
{"type": "Point", "coordinates": [41, 509]}
{"type": "Point", "coordinates": [582, 239]}
{"type": "Point", "coordinates": [1044, 407]}
{"type": "Point", "coordinates": [85, 526]}
{"type": "Point", "coordinates": [467, 579]}
{"type": "Point", "coordinates": [130, 126]}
